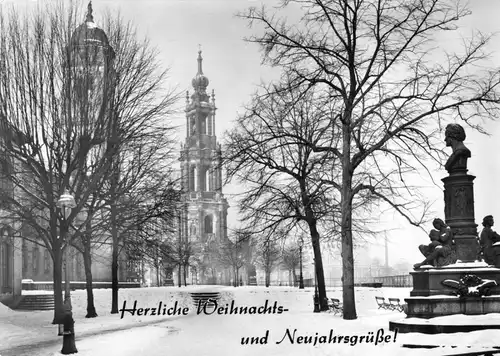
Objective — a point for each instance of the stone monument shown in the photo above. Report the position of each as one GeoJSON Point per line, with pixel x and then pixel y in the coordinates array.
{"type": "Point", "coordinates": [453, 278]}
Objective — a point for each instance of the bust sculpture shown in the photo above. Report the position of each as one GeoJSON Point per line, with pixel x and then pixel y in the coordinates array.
{"type": "Point", "coordinates": [440, 251]}
{"type": "Point", "coordinates": [454, 138]}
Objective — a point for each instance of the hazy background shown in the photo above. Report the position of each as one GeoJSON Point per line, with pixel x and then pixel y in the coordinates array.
{"type": "Point", "coordinates": [178, 27]}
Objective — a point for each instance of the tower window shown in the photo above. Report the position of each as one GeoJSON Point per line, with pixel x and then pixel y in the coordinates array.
{"type": "Point", "coordinates": [209, 228]}
{"type": "Point", "coordinates": [192, 230]}
{"type": "Point", "coordinates": [208, 186]}
{"type": "Point", "coordinates": [203, 123]}
{"type": "Point", "coordinates": [193, 126]}
{"type": "Point", "coordinates": [46, 261]}
{"type": "Point", "coordinates": [25, 257]}
{"type": "Point", "coordinates": [192, 178]}
{"type": "Point", "coordinates": [210, 125]}
{"type": "Point", "coordinates": [35, 259]}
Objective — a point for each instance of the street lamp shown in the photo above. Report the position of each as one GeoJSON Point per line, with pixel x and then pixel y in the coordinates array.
{"type": "Point", "coordinates": [301, 277]}
{"type": "Point", "coordinates": [317, 308]}
{"type": "Point", "coordinates": [66, 200]}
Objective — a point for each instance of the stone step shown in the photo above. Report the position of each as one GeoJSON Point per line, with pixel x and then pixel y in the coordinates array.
{"type": "Point", "coordinates": [39, 296]}
{"type": "Point", "coordinates": [204, 296]}
{"type": "Point", "coordinates": [37, 302]}
{"type": "Point", "coordinates": [40, 308]}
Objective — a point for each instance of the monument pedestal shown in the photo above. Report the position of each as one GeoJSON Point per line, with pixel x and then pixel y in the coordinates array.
{"type": "Point", "coordinates": [443, 305]}
{"type": "Point", "coordinates": [427, 282]}
{"type": "Point", "coordinates": [459, 214]}
{"type": "Point", "coordinates": [430, 299]}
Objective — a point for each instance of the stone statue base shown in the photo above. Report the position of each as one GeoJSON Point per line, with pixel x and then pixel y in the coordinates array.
{"type": "Point", "coordinates": [431, 307]}
{"type": "Point", "coordinates": [427, 282]}
{"type": "Point", "coordinates": [459, 215]}
{"type": "Point", "coordinates": [430, 298]}
{"type": "Point", "coordinates": [448, 324]}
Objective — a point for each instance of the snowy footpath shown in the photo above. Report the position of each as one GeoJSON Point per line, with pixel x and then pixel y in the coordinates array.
{"type": "Point", "coordinates": [249, 321]}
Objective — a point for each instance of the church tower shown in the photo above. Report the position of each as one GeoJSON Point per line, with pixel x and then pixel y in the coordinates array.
{"type": "Point", "coordinates": [205, 217]}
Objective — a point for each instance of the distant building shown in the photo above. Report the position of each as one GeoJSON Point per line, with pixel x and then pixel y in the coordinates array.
{"type": "Point", "coordinates": [21, 258]}
{"type": "Point", "coordinates": [204, 219]}
{"type": "Point", "coordinates": [10, 250]}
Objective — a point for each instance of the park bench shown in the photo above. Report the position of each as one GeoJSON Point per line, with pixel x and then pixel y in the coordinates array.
{"type": "Point", "coordinates": [395, 304]}
{"type": "Point", "coordinates": [335, 306]}
{"type": "Point", "coordinates": [382, 304]}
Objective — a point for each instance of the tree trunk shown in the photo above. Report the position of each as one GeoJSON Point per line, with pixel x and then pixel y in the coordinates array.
{"type": "Point", "coordinates": [318, 264]}
{"type": "Point", "coordinates": [318, 261]}
{"type": "Point", "coordinates": [157, 275]}
{"type": "Point", "coordinates": [185, 278]}
{"type": "Point", "coordinates": [179, 277]}
{"type": "Point", "coordinates": [235, 277]}
{"type": "Point", "coordinates": [268, 277]}
{"type": "Point", "coordinates": [143, 278]}
{"type": "Point", "coordinates": [87, 263]}
{"type": "Point", "coordinates": [346, 229]}
{"type": "Point", "coordinates": [57, 275]}
{"type": "Point", "coordinates": [114, 261]}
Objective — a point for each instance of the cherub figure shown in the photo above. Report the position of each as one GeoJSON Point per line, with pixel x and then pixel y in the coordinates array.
{"type": "Point", "coordinates": [487, 238]}
{"type": "Point", "coordinates": [439, 251]}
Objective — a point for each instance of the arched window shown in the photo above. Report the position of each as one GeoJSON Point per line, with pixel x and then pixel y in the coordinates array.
{"type": "Point", "coordinates": [25, 258]}
{"type": "Point", "coordinates": [46, 261]}
{"type": "Point", "coordinates": [192, 230]}
{"type": "Point", "coordinates": [5, 265]}
{"type": "Point", "coordinates": [192, 178]}
{"type": "Point", "coordinates": [203, 123]}
{"type": "Point", "coordinates": [208, 186]}
{"type": "Point", "coordinates": [209, 222]}
{"type": "Point", "coordinates": [36, 256]}
{"type": "Point", "coordinates": [209, 129]}
{"type": "Point", "coordinates": [193, 125]}
{"type": "Point", "coordinates": [195, 179]}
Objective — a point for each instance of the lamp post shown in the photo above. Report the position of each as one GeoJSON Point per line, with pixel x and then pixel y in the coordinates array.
{"type": "Point", "coordinates": [301, 277]}
{"type": "Point", "coordinates": [317, 308]}
{"type": "Point", "coordinates": [65, 201]}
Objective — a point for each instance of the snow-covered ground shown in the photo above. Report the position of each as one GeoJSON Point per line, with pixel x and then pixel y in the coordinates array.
{"type": "Point", "coordinates": [221, 335]}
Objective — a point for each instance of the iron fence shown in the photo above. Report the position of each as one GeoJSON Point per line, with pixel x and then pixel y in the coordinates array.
{"type": "Point", "coordinates": [404, 280]}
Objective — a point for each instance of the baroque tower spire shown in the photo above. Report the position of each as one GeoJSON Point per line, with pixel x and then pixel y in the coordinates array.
{"type": "Point", "coordinates": [205, 219]}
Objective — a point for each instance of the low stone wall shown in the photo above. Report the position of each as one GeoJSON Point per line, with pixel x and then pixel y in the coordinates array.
{"type": "Point", "coordinates": [77, 285]}
{"type": "Point", "coordinates": [434, 306]}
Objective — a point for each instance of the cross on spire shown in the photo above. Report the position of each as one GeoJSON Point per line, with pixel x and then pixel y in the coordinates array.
{"type": "Point", "coordinates": [200, 70]}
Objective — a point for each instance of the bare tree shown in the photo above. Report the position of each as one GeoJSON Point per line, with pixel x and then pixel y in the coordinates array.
{"type": "Point", "coordinates": [232, 255]}
{"type": "Point", "coordinates": [69, 110]}
{"type": "Point", "coordinates": [267, 256]}
{"type": "Point", "coordinates": [271, 150]}
{"type": "Point", "coordinates": [54, 135]}
{"type": "Point", "coordinates": [391, 88]}
{"type": "Point", "coordinates": [290, 259]}
{"type": "Point", "coordinates": [140, 173]}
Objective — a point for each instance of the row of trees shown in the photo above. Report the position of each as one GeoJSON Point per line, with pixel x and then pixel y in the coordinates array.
{"type": "Point", "coordinates": [357, 114]}
{"type": "Point", "coordinates": [83, 110]}
{"type": "Point", "coordinates": [176, 253]}
{"type": "Point", "coordinates": [264, 253]}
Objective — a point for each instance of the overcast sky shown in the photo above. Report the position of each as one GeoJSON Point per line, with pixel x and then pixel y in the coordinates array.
{"type": "Point", "coordinates": [178, 27]}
